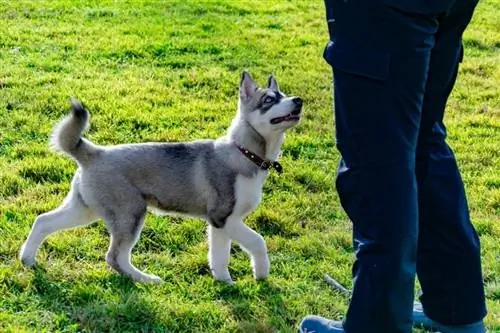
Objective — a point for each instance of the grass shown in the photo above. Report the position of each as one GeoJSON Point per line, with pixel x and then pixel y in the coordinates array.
{"type": "Point", "coordinates": [151, 70]}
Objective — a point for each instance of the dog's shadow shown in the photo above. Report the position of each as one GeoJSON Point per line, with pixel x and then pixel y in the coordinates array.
{"type": "Point", "coordinates": [258, 308]}
{"type": "Point", "coordinates": [115, 303]}
{"type": "Point", "coordinates": [118, 303]}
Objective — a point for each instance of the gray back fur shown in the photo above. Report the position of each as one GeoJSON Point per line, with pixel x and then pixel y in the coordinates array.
{"type": "Point", "coordinates": [195, 178]}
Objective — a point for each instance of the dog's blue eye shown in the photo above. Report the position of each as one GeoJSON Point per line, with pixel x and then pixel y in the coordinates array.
{"type": "Point", "coordinates": [269, 99]}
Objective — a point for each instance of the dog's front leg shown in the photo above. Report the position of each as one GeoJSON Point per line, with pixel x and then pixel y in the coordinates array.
{"type": "Point", "coordinates": [219, 245]}
{"type": "Point", "coordinates": [253, 243]}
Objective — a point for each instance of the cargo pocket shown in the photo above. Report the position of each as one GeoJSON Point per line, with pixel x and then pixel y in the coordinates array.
{"type": "Point", "coordinates": [354, 60]}
{"type": "Point", "coordinates": [362, 95]}
{"type": "Point", "coordinates": [426, 7]}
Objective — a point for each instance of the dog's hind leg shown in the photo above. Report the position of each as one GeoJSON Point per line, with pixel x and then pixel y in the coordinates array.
{"type": "Point", "coordinates": [125, 230]}
{"type": "Point", "coordinates": [253, 243]}
{"type": "Point", "coordinates": [72, 213]}
{"type": "Point", "coordinates": [219, 249]}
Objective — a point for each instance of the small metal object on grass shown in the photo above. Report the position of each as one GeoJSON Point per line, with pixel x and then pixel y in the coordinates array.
{"type": "Point", "coordinates": [337, 286]}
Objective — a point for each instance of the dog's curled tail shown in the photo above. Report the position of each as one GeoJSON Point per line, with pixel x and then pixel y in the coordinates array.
{"type": "Point", "coordinates": [67, 134]}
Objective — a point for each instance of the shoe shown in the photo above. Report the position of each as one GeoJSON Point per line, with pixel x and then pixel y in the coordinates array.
{"type": "Point", "coordinates": [317, 324]}
{"type": "Point", "coordinates": [422, 321]}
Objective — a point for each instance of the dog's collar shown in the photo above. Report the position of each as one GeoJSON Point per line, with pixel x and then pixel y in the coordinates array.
{"type": "Point", "coordinates": [259, 161]}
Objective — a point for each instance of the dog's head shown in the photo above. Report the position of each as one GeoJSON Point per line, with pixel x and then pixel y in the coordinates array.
{"type": "Point", "coordinates": [268, 109]}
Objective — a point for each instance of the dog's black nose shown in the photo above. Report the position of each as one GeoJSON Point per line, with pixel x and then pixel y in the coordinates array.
{"type": "Point", "coordinates": [297, 101]}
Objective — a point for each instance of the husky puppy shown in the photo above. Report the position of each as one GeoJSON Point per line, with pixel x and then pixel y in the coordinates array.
{"type": "Point", "coordinates": [216, 180]}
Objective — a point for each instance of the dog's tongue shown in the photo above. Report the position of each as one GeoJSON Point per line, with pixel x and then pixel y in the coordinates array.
{"type": "Point", "coordinates": [278, 120]}
{"type": "Point", "coordinates": [288, 117]}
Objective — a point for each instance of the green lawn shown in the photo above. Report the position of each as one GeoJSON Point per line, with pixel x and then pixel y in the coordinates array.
{"type": "Point", "coordinates": [169, 70]}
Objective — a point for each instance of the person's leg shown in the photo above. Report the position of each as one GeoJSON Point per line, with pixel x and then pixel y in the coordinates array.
{"type": "Point", "coordinates": [379, 55]}
{"type": "Point", "coordinates": [449, 263]}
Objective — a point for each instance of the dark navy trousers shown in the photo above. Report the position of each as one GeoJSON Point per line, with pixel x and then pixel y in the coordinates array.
{"type": "Point", "coordinates": [394, 64]}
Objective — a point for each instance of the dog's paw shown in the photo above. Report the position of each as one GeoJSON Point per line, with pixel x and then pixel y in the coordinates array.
{"type": "Point", "coordinates": [227, 281]}
{"type": "Point", "coordinates": [26, 259]}
{"type": "Point", "coordinates": [150, 278]}
{"type": "Point", "coordinates": [222, 276]}
{"type": "Point", "coordinates": [260, 277]}
{"type": "Point", "coordinates": [261, 267]}
{"type": "Point", "coordinates": [28, 262]}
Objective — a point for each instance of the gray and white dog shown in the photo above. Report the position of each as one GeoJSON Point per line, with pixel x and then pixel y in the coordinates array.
{"type": "Point", "coordinates": [217, 180]}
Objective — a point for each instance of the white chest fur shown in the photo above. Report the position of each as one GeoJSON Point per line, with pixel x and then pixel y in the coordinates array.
{"type": "Point", "coordinates": [248, 193]}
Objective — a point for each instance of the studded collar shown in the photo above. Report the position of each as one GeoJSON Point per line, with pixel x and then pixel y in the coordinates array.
{"type": "Point", "coordinates": [259, 161]}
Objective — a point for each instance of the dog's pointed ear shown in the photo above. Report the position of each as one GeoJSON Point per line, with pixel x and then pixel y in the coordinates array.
{"type": "Point", "coordinates": [247, 86]}
{"type": "Point", "coordinates": [272, 83]}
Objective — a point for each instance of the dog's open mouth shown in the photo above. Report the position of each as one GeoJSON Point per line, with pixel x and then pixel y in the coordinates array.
{"type": "Point", "coordinates": [294, 116]}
